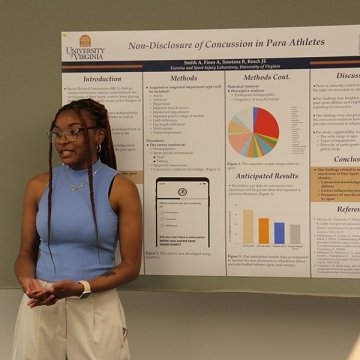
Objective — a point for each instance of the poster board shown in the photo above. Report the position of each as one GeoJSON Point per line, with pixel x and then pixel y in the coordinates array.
{"type": "Point", "coordinates": [31, 94]}
{"type": "Point", "coordinates": [244, 144]}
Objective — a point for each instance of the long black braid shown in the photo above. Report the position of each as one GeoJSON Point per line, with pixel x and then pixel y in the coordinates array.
{"type": "Point", "coordinates": [98, 113]}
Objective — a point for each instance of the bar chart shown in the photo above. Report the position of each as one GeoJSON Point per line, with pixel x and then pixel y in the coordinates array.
{"type": "Point", "coordinates": [264, 230]}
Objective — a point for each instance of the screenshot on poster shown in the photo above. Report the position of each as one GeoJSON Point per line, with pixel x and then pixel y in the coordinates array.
{"type": "Point", "coordinates": [182, 211]}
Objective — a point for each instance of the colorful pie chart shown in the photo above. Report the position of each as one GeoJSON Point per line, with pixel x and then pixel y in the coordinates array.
{"type": "Point", "coordinates": [253, 133]}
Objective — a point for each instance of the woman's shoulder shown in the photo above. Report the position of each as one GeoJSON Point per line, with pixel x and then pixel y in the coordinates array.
{"type": "Point", "coordinates": [124, 188]}
{"type": "Point", "coordinates": [38, 183]}
{"type": "Point", "coordinates": [123, 183]}
{"type": "Point", "coordinates": [42, 178]}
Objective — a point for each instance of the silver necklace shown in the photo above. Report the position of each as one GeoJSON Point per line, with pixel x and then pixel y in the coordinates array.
{"type": "Point", "coordinates": [77, 187]}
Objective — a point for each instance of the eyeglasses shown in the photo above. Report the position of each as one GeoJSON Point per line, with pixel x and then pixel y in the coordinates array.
{"type": "Point", "coordinates": [71, 135]}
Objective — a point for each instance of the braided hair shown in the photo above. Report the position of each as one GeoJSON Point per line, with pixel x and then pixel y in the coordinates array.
{"type": "Point", "coordinates": [98, 113]}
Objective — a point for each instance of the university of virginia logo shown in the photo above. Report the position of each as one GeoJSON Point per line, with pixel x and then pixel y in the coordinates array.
{"type": "Point", "coordinates": [85, 51]}
{"type": "Point", "coordinates": [85, 41]}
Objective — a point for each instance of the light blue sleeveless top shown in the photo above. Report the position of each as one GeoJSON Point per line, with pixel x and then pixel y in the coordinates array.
{"type": "Point", "coordinates": [73, 236]}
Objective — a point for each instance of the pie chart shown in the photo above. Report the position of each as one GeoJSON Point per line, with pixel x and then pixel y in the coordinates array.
{"type": "Point", "coordinates": [253, 133]}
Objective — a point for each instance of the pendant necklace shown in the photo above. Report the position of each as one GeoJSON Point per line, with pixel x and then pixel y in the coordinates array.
{"type": "Point", "coordinates": [77, 187]}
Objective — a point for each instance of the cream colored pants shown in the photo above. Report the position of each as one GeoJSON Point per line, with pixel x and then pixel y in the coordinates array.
{"type": "Point", "coordinates": [74, 329]}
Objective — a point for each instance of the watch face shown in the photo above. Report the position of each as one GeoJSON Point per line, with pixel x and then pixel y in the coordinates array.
{"type": "Point", "coordinates": [84, 295]}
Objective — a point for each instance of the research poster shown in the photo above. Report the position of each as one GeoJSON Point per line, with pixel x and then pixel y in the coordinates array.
{"type": "Point", "coordinates": [244, 144]}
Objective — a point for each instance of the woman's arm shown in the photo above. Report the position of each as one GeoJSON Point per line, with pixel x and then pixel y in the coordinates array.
{"type": "Point", "coordinates": [29, 247]}
{"type": "Point", "coordinates": [125, 200]}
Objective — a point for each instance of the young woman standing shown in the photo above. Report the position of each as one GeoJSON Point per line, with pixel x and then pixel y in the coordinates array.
{"type": "Point", "coordinates": [75, 216]}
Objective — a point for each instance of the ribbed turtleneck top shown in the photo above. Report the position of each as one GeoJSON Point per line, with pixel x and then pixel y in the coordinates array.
{"type": "Point", "coordinates": [73, 237]}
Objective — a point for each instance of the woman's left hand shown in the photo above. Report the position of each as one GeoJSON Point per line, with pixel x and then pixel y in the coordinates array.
{"type": "Point", "coordinates": [65, 288]}
{"type": "Point", "coordinates": [41, 297]}
{"type": "Point", "coordinates": [53, 293]}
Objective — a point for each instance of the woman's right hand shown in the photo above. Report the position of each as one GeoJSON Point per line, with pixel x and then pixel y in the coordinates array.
{"type": "Point", "coordinates": [37, 294]}
{"type": "Point", "coordinates": [29, 285]}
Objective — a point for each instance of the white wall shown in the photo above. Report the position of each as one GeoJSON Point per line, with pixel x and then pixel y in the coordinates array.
{"type": "Point", "coordinates": [225, 326]}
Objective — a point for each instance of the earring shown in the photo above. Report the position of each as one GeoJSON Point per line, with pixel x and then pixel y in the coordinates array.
{"type": "Point", "coordinates": [98, 147]}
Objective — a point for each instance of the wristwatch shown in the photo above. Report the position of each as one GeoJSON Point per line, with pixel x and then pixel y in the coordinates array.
{"type": "Point", "coordinates": [87, 290]}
